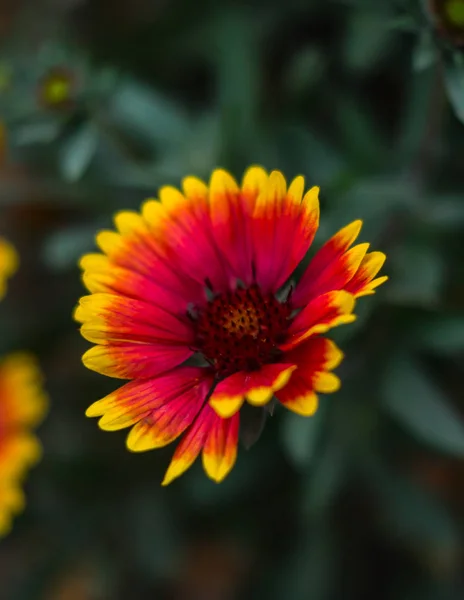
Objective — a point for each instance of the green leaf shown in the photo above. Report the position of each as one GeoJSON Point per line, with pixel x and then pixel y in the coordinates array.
{"type": "Point", "coordinates": [415, 117]}
{"type": "Point", "coordinates": [305, 70]}
{"type": "Point", "coordinates": [420, 406]}
{"type": "Point", "coordinates": [325, 478]}
{"type": "Point", "coordinates": [403, 23]}
{"type": "Point", "coordinates": [419, 272]}
{"type": "Point", "coordinates": [43, 131]}
{"type": "Point", "coordinates": [146, 113]}
{"type": "Point", "coordinates": [78, 152]}
{"type": "Point", "coordinates": [63, 248]}
{"type": "Point", "coordinates": [238, 77]}
{"type": "Point", "coordinates": [443, 334]}
{"type": "Point", "coordinates": [197, 151]}
{"type": "Point", "coordinates": [300, 436]}
{"type": "Point", "coordinates": [367, 38]}
{"type": "Point", "coordinates": [425, 53]}
{"type": "Point", "coordinates": [444, 212]}
{"type": "Point", "coordinates": [361, 136]}
{"type": "Point", "coordinates": [454, 82]}
{"type": "Point", "coordinates": [252, 422]}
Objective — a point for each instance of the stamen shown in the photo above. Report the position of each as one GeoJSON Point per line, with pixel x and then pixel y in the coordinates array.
{"type": "Point", "coordinates": [240, 330]}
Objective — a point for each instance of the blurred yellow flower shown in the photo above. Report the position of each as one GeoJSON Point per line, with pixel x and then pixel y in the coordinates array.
{"type": "Point", "coordinates": [8, 257]}
{"type": "Point", "coordinates": [23, 404]}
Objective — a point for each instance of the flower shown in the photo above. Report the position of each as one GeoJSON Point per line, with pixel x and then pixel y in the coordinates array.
{"type": "Point", "coordinates": [57, 88]}
{"type": "Point", "coordinates": [22, 406]}
{"type": "Point", "coordinates": [201, 274]}
{"type": "Point", "coordinates": [8, 263]}
{"type": "Point", "coordinates": [449, 19]}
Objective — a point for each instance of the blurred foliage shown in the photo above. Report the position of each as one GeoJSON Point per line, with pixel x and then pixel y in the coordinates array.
{"type": "Point", "coordinates": [366, 99]}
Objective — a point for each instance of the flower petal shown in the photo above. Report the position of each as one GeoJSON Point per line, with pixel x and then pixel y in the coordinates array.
{"type": "Point", "coordinates": [220, 449]}
{"type": "Point", "coordinates": [111, 318]}
{"type": "Point", "coordinates": [18, 452]}
{"type": "Point", "coordinates": [199, 254]}
{"type": "Point", "coordinates": [337, 274]}
{"type": "Point", "coordinates": [326, 383]}
{"type": "Point", "coordinates": [321, 314]}
{"type": "Point", "coordinates": [230, 214]}
{"type": "Point", "coordinates": [186, 452]}
{"type": "Point", "coordinates": [320, 269]}
{"type": "Point", "coordinates": [217, 438]}
{"type": "Point", "coordinates": [301, 233]}
{"type": "Point", "coordinates": [314, 355]}
{"type": "Point", "coordinates": [166, 423]}
{"type": "Point", "coordinates": [11, 503]}
{"type": "Point", "coordinates": [194, 188]}
{"type": "Point", "coordinates": [142, 245]}
{"type": "Point", "coordinates": [162, 407]}
{"type": "Point", "coordinates": [363, 283]}
{"type": "Point", "coordinates": [133, 361]}
{"type": "Point", "coordinates": [257, 387]}
{"type": "Point", "coordinates": [298, 397]}
{"type": "Point", "coordinates": [23, 401]}
{"type": "Point", "coordinates": [8, 263]}
{"type": "Point", "coordinates": [283, 228]}
{"type": "Point", "coordinates": [150, 248]}
{"type": "Point", "coordinates": [254, 180]}
{"type": "Point", "coordinates": [101, 275]}
{"type": "Point", "coordinates": [125, 406]}
{"type": "Point", "coordinates": [314, 358]}
{"type": "Point", "coordinates": [11, 498]}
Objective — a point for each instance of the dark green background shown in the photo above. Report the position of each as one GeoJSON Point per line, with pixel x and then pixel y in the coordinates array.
{"type": "Point", "coordinates": [366, 499]}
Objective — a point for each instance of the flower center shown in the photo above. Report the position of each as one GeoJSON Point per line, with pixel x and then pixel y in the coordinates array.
{"type": "Point", "coordinates": [455, 12]}
{"type": "Point", "coordinates": [56, 87]}
{"type": "Point", "coordinates": [240, 330]}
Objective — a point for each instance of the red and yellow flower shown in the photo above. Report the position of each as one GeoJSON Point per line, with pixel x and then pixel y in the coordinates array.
{"type": "Point", "coordinates": [8, 264]}
{"type": "Point", "coordinates": [22, 406]}
{"type": "Point", "coordinates": [202, 275]}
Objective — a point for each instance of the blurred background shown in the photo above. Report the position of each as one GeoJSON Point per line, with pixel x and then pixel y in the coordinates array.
{"type": "Point", "coordinates": [103, 101]}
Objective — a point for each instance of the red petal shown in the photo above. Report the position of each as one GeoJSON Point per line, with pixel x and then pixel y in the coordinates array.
{"type": "Point", "coordinates": [256, 386]}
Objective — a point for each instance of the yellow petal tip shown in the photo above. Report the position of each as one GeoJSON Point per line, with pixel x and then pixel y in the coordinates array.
{"type": "Point", "coordinates": [226, 406]}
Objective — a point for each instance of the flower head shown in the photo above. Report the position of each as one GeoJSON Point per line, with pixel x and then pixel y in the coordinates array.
{"type": "Point", "coordinates": [449, 19]}
{"type": "Point", "coordinates": [203, 274]}
{"type": "Point", "coordinates": [57, 88]}
{"type": "Point", "coordinates": [22, 406]}
{"type": "Point", "coordinates": [8, 262]}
